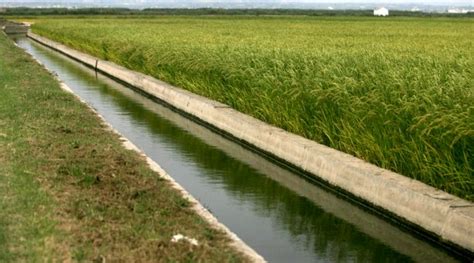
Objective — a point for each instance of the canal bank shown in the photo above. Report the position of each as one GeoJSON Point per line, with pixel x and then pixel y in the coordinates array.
{"type": "Point", "coordinates": [439, 216]}
{"type": "Point", "coordinates": [71, 191]}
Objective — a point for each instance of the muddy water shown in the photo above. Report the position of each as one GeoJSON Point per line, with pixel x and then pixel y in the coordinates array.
{"type": "Point", "coordinates": [281, 215]}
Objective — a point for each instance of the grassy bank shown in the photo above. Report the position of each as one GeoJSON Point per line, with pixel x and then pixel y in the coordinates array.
{"type": "Point", "coordinates": [70, 191]}
{"type": "Point", "coordinates": [396, 92]}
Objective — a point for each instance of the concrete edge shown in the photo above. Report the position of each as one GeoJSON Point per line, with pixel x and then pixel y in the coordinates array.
{"type": "Point", "coordinates": [446, 217]}
{"type": "Point", "coordinates": [238, 244]}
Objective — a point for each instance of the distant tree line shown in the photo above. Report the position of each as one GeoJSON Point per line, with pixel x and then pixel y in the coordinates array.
{"type": "Point", "coordinates": [67, 11]}
{"type": "Point", "coordinates": [25, 11]}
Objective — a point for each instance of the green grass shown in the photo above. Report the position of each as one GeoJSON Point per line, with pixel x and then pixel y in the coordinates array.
{"type": "Point", "coordinates": [397, 92]}
{"type": "Point", "coordinates": [70, 191]}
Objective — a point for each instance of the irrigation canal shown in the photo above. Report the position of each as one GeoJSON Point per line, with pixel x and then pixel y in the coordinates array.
{"type": "Point", "coordinates": [281, 215]}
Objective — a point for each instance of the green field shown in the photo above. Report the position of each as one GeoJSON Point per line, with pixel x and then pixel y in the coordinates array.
{"type": "Point", "coordinates": [397, 92]}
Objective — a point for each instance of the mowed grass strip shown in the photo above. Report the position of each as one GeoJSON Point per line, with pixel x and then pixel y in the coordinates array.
{"type": "Point", "coordinates": [397, 92]}
{"type": "Point", "coordinates": [69, 190]}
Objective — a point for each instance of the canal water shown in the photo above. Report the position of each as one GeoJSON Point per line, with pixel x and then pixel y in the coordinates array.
{"type": "Point", "coordinates": [281, 215]}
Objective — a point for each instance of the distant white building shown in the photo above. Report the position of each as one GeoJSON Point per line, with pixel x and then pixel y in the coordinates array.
{"type": "Point", "coordinates": [381, 11]}
{"type": "Point", "coordinates": [458, 11]}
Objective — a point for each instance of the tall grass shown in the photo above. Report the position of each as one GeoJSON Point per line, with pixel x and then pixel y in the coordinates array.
{"type": "Point", "coordinates": [398, 93]}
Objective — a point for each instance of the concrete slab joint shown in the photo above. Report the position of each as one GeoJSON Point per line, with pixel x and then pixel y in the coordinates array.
{"type": "Point", "coordinates": [424, 206]}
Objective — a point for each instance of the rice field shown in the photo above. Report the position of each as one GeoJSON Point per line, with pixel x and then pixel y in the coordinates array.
{"type": "Point", "coordinates": [397, 92]}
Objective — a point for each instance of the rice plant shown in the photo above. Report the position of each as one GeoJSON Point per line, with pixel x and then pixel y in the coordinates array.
{"type": "Point", "coordinates": [396, 92]}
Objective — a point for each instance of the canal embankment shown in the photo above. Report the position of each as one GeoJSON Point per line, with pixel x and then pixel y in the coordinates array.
{"type": "Point", "coordinates": [72, 191]}
{"type": "Point", "coordinates": [438, 214]}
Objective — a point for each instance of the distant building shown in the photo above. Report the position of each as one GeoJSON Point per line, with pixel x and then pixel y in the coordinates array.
{"type": "Point", "coordinates": [2, 10]}
{"type": "Point", "coordinates": [458, 11]}
{"type": "Point", "coordinates": [381, 11]}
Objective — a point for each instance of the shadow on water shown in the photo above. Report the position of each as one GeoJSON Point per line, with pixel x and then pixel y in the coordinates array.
{"type": "Point", "coordinates": [281, 215]}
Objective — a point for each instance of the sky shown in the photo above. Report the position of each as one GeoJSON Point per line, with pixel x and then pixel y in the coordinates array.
{"type": "Point", "coordinates": [447, 2]}
{"type": "Point", "coordinates": [241, 3]}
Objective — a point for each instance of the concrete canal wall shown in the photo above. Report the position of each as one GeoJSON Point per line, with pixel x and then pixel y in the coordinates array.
{"type": "Point", "coordinates": [14, 28]}
{"type": "Point", "coordinates": [438, 215]}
